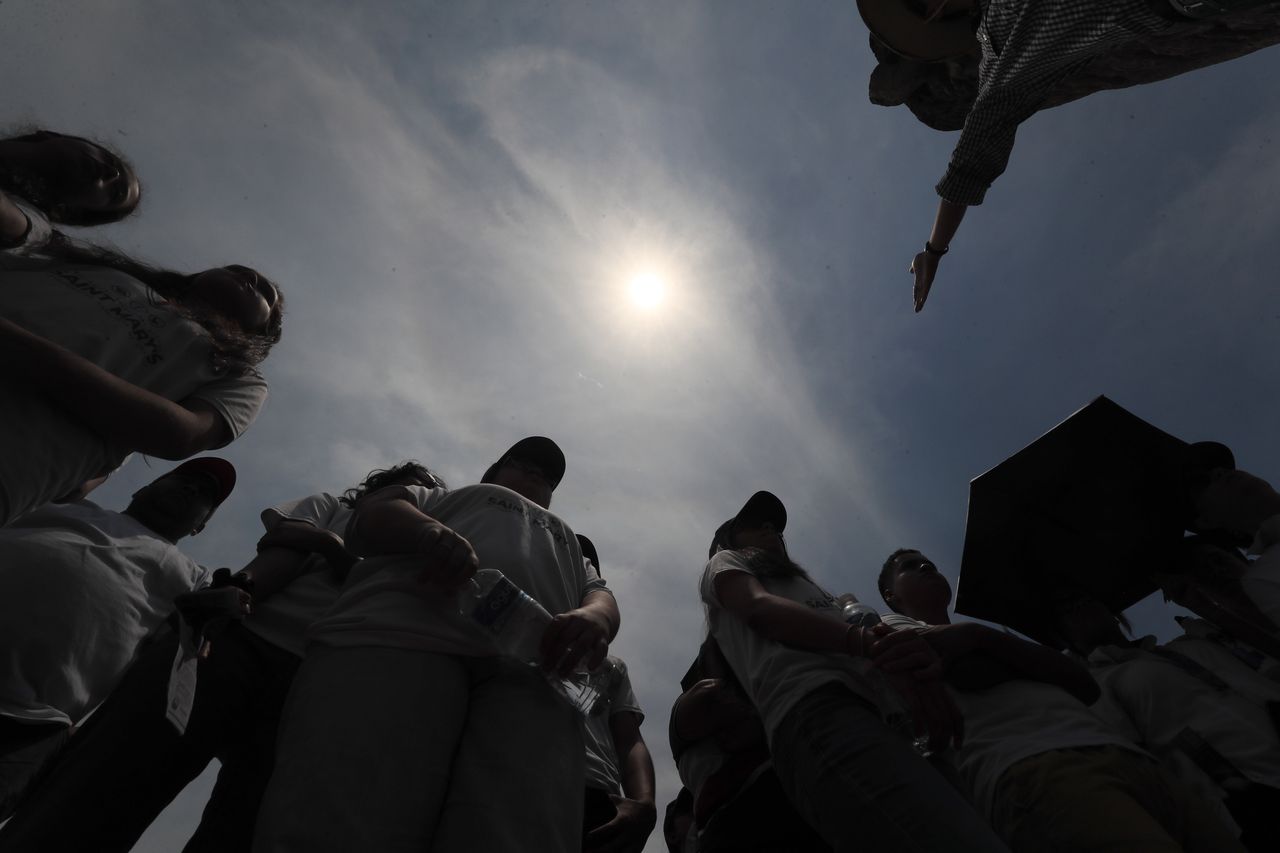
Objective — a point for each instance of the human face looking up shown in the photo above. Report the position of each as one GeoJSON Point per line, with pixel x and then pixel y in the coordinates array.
{"type": "Point", "coordinates": [762, 535]}
{"type": "Point", "coordinates": [526, 479]}
{"type": "Point", "coordinates": [238, 293]}
{"type": "Point", "coordinates": [78, 182]}
{"type": "Point", "coordinates": [918, 586]}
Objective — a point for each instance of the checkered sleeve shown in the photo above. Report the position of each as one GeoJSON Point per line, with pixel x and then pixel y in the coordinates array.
{"type": "Point", "coordinates": [1028, 48]}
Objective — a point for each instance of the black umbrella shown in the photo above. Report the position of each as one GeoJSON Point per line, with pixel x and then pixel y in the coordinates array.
{"type": "Point", "coordinates": [1088, 508]}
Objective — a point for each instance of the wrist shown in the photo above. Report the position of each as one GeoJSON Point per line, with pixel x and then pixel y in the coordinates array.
{"type": "Point", "coordinates": [935, 251]}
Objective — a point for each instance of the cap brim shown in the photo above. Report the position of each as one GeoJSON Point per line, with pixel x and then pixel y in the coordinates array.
{"type": "Point", "coordinates": [542, 451]}
{"type": "Point", "coordinates": [760, 507]}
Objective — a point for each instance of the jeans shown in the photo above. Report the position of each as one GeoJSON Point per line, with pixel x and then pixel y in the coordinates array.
{"type": "Point", "coordinates": [863, 787]}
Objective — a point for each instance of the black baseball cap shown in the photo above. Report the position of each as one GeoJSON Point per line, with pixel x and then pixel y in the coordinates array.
{"type": "Point", "coordinates": [541, 451]}
{"type": "Point", "coordinates": [760, 507]}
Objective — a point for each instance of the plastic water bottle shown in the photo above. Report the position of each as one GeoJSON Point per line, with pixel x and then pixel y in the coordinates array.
{"type": "Point", "coordinates": [514, 620]}
{"type": "Point", "coordinates": [861, 615]}
{"type": "Point", "coordinates": [517, 623]}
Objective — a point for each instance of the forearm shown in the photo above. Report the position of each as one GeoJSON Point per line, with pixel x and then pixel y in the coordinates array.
{"type": "Point", "coordinates": [603, 605]}
{"type": "Point", "coordinates": [637, 772]}
{"type": "Point", "coordinates": [272, 569]}
{"type": "Point", "coordinates": [389, 526]}
{"type": "Point", "coordinates": [946, 223]}
{"type": "Point", "coordinates": [119, 411]}
{"type": "Point", "coordinates": [794, 624]}
{"type": "Point", "coordinates": [303, 536]}
{"type": "Point", "coordinates": [1039, 663]}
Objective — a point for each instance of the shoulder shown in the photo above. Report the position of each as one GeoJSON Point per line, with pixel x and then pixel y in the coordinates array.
{"type": "Point", "coordinates": [898, 621]}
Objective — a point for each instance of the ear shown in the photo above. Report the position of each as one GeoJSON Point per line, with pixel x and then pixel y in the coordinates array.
{"type": "Point", "coordinates": [197, 528]}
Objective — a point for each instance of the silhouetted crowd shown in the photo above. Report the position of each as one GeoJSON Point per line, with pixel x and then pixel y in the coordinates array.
{"type": "Point", "coordinates": [405, 666]}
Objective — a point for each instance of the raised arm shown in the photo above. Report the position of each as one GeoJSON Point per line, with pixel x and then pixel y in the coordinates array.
{"type": "Point", "coordinates": [119, 411]}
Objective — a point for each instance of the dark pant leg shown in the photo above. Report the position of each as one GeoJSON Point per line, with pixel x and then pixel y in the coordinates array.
{"type": "Point", "coordinates": [103, 790]}
{"type": "Point", "coordinates": [261, 674]}
{"type": "Point", "coordinates": [597, 810]}
{"type": "Point", "coordinates": [26, 752]}
{"type": "Point", "coordinates": [127, 762]}
{"type": "Point", "coordinates": [1256, 809]}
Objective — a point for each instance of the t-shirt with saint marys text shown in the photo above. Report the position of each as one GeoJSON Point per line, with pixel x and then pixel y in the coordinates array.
{"type": "Point", "coordinates": [114, 321]}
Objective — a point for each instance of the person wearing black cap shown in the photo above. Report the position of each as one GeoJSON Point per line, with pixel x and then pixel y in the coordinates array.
{"type": "Point", "coordinates": [405, 730]}
{"type": "Point", "coordinates": [81, 587]}
{"type": "Point", "coordinates": [827, 712]}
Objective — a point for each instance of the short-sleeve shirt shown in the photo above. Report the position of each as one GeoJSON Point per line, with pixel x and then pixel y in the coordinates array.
{"type": "Point", "coordinates": [386, 603]}
{"type": "Point", "coordinates": [114, 321]}
{"type": "Point", "coordinates": [603, 770]}
{"type": "Point", "coordinates": [283, 618]}
{"type": "Point", "coordinates": [1015, 720]}
{"type": "Point", "coordinates": [80, 586]}
{"type": "Point", "coordinates": [1162, 698]}
{"type": "Point", "coordinates": [774, 675]}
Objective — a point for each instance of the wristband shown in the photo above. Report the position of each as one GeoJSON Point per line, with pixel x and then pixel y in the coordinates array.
{"type": "Point", "coordinates": [930, 249]}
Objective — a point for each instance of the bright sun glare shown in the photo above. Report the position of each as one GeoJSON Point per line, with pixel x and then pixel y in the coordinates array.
{"type": "Point", "coordinates": [647, 291]}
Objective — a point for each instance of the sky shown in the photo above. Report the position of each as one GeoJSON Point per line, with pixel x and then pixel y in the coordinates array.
{"type": "Point", "coordinates": [457, 199]}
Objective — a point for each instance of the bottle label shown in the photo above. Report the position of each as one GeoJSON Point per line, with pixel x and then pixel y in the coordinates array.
{"type": "Point", "coordinates": [492, 610]}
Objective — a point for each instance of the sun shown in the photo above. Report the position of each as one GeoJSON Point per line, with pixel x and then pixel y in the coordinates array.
{"type": "Point", "coordinates": [647, 291]}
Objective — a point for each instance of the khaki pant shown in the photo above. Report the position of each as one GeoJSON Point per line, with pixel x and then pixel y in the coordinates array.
{"type": "Point", "coordinates": [1100, 799]}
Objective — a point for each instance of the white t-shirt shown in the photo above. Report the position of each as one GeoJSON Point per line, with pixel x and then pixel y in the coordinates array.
{"type": "Point", "coordinates": [384, 602]}
{"type": "Point", "coordinates": [1209, 646]}
{"type": "Point", "coordinates": [1163, 698]}
{"type": "Point", "coordinates": [80, 586]}
{"type": "Point", "coordinates": [603, 771]}
{"type": "Point", "coordinates": [283, 618]}
{"type": "Point", "coordinates": [1013, 721]}
{"type": "Point", "coordinates": [776, 676]}
{"type": "Point", "coordinates": [1262, 581]}
{"type": "Point", "coordinates": [110, 319]}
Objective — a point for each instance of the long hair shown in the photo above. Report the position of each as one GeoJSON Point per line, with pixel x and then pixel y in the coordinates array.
{"type": "Point", "coordinates": [236, 351]}
{"type": "Point", "coordinates": [766, 564]}
{"type": "Point", "coordinates": [41, 191]}
{"type": "Point", "coordinates": [382, 477]}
